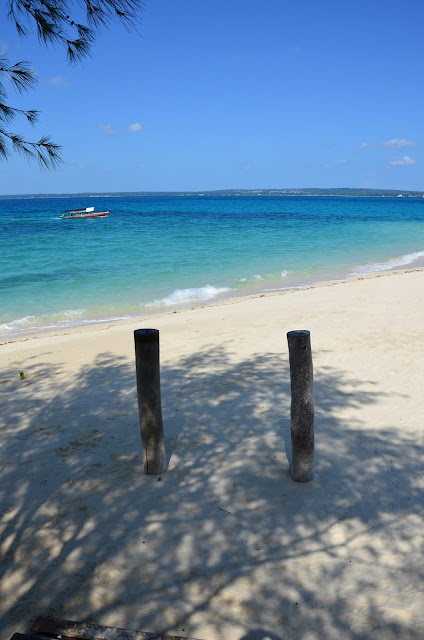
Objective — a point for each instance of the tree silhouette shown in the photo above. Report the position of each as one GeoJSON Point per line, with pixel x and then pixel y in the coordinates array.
{"type": "Point", "coordinates": [55, 24]}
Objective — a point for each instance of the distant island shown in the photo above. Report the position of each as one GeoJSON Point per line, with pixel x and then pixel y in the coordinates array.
{"type": "Point", "coordinates": [342, 191]}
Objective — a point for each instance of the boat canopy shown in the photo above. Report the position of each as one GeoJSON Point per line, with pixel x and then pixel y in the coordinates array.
{"type": "Point", "coordinates": [87, 210]}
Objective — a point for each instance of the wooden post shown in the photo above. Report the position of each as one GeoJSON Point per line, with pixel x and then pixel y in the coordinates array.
{"type": "Point", "coordinates": [302, 406]}
{"type": "Point", "coordinates": [149, 401]}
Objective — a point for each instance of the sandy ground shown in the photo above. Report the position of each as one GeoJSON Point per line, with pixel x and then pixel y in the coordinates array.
{"type": "Point", "coordinates": [224, 545]}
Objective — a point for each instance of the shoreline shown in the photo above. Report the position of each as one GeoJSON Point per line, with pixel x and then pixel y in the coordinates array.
{"type": "Point", "coordinates": [46, 292]}
{"type": "Point", "coordinates": [103, 324]}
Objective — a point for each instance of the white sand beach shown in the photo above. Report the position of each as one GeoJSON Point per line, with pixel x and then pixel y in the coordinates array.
{"type": "Point", "coordinates": [224, 546]}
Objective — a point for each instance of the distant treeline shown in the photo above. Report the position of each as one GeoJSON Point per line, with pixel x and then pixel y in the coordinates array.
{"type": "Point", "coordinates": [382, 193]}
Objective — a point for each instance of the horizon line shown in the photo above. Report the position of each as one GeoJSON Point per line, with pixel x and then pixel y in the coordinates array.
{"type": "Point", "coordinates": [281, 190]}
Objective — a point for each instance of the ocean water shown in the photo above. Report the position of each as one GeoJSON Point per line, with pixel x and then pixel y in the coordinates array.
{"type": "Point", "coordinates": [165, 252]}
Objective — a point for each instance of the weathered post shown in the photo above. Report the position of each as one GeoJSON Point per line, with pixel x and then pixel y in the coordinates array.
{"type": "Point", "coordinates": [149, 401]}
{"type": "Point", "coordinates": [302, 406]}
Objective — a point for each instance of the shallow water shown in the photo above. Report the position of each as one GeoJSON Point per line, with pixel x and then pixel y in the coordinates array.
{"type": "Point", "coordinates": [166, 251]}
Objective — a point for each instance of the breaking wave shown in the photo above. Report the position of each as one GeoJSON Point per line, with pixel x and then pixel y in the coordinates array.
{"type": "Point", "coordinates": [179, 296]}
{"type": "Point", "coordinates": [61, 319]}
{"type": "Point", "coordinates": [387, 266]}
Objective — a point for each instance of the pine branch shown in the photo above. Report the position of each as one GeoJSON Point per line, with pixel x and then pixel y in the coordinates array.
{"type": "Point", "coordinates": [48, 153]}
{"type": "Point", "coordinates": [103, 12]}
{"type": "Point", "coordinates": [8, 113]}
{"type": "Point", "coordinates": [45, 151]}
{"type": "Point", "coordinates": [77, 50]}
{"type": "Point", "coordinates": [20, 74]}
{"type": "Point", "coordinates": [54, 24]}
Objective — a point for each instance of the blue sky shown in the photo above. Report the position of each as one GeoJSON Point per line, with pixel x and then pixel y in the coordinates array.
{"type": "Point", "coordinates": [232, 94]}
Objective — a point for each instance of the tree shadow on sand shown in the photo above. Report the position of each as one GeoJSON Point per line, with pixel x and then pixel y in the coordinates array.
{"type": "Point", "coordinates": [224, 544]}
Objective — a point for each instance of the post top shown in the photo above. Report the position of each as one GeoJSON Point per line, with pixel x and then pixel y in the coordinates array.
{"type": "Point", "coordinates": [146, 334]}
{"type": "Point", "coordinates": [299, 333]}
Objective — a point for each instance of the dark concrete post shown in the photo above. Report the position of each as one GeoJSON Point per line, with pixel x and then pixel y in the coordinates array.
{"type": "Point", "coordinates": [149, 401]}
{"type": "Point", "coordinates": [302, 406]}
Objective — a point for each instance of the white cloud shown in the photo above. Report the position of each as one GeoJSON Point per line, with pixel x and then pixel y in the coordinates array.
{"type": "Point", "coordinates": [401, 162]}
{"type": "Point", "coordinates": [366, 145]}
{"type": "Point", "coordinates": [79, 164]}
{"type": "Point", "coordinates": [108, 129]}
{"type": "Point", "coordinates": [342, 161]}
{"type": "Point", "coordinates": [59, 81]}
{"type": "Point", "coordinates": [135, 126]}
{"type": "Point", "coordinates": [398, 143]}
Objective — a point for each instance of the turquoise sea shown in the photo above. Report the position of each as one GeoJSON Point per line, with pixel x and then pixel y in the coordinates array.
{"type": "Point", "coordinates": [165, 252]}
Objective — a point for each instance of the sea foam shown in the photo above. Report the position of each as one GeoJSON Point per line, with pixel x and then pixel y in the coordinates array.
{"type": "Point", "coordinates": [45, 321]}
{"type": "Point", "coordinates": [401, 261]}
{"type": "Point", "coordinates": [179, 296]}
